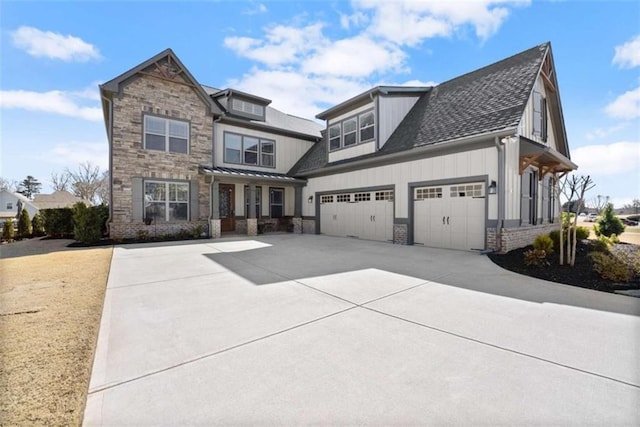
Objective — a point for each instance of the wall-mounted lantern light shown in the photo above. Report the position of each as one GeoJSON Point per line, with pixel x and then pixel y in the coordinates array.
{"type": "Point", "coordinates": [492, 187]}
{"type": "Point", "coordinates": [310, 199]}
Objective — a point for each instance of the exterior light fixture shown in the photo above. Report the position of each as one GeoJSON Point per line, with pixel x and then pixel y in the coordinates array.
{"type": "Point", "coordinates": [310, 199]}
{"type": "Point", "coordinates": [492, 187]}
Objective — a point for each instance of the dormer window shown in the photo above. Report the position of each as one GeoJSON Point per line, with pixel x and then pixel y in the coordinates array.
{"type": "Point", "coordinates": [352, 131]}
{"type": "Point", "coordinates": [247, 109]}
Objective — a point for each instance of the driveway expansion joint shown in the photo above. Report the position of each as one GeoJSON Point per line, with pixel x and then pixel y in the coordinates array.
{"type": "Point", "coordinates": [477, 341]}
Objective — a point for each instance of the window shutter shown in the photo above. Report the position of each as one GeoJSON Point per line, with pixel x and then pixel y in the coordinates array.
{"type": "Point", "coordinates": [193, 200]}
{"type": "Point", "coordinates": [545, 197]}
{"type": "Point", "coordinates": [137, 194]}
{"type": "Point", "coordinates": [525, 197]}
{"type": "Point", "coordinates": [543, 112]}
{"type": "Point", "coordinates": [536, 114]}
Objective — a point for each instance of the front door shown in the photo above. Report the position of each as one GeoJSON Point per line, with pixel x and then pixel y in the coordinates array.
{"type": "Point", "coordinates": [227, 199]}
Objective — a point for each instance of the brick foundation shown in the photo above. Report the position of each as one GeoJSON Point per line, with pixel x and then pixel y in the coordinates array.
{"type": "Point", "coordinates": [252, 226]}
{"type": "Point", "coordinates": [400, 234]}
{"type": "Point", "coordinates": [130, 230]}
{"type": "Point", "coordinates": [297, 225]}
{"type": "Point", "coordinates": [216, 229]}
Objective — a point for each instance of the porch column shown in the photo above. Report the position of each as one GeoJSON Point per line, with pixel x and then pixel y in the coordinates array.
{"type": "Point", "coordinates": [297, 210]}
{"type": "Point", "coordinates": [252, 221]}
{"type": "Point", "coordinates": [214, 220]}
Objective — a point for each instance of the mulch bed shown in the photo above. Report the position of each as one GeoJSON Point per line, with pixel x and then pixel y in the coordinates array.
{"type": "Point", "coordinates": [582, 274]}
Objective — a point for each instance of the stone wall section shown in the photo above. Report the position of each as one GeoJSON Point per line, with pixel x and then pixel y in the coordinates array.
{"type": "Point", "coordinates": [400, 234]}
{"type": "Point", "coordinates": [308, 226]}
{"type": "Point", "coordinates": [145, 94]}
{"type": "Point", "coordinates": [514, 238]}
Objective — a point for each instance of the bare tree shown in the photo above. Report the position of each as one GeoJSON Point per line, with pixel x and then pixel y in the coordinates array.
{"type": "Point", "coordinates": [60, 182]}
{"type": "Point", "coordinates": [573, 186]}
{"type": "Point", "coordinates": [85, 180]}
{"type": "Point", "coordinates": [9, 184]}
{"type": "Point", "coordinates": [102, 193]}
{"type": "Point", "coordinates": [599, 202]}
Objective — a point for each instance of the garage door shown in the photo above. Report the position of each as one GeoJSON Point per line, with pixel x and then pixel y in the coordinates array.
{"type": "Point", "coordinates": [366, 215]}
{"type": "Point", "coordinates": [450, 216]}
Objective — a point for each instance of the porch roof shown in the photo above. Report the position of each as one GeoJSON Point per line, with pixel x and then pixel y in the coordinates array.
{"type": "Point", "coordinates": [544, 158]}
{"type": "Point", "coordinates": [250, 175]}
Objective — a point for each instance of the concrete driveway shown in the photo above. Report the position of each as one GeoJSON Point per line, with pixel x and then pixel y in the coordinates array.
{"type": "Point", "coordinates": [305, 329]}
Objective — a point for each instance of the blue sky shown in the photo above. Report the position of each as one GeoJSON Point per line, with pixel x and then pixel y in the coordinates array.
{"type": "Point", "coordinates": [308, 56]}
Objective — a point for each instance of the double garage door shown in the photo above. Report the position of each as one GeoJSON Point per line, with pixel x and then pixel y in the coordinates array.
{"type": "Point", "coordinates": [366, 215]}
{"type": "Point", "coordinates": [450, 216]}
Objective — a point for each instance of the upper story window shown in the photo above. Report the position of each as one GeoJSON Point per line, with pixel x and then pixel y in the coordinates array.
{"type": "Point", "coordinates": [9, 206]}
{"type": "Point", "coordinates": [352, 131]}
{"type": "Point", "coordinates": [166, 134]}
{"type": "Point", "coordinates": [539, 115]}
{"type": "Point", "coordinates": [249, 150]}
{"type": "Point", "coordinates": [247, 107]}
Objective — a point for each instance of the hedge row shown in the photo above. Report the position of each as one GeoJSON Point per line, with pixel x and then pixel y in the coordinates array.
{"type": "Point", "coordinates": [84, 223]}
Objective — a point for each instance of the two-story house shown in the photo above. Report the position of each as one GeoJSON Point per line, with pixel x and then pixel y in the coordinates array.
{"type": "Point", "coordinates": [470, 164]}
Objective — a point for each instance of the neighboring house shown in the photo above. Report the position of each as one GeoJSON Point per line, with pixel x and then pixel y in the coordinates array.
{"type": "Point", "coordinates": [469, 164]}
{"type": "Point", "coordinates": [55, 200]}
{"type": "Point", "coordinates": [9, 205]}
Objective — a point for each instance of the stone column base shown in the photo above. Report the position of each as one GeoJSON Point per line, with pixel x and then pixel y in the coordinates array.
{"type": "Point", "coordinates": [297, 225]}
{"type": "Point", "coordinates": [400, 234]}
{"type": "Point", "coordinates": [215, 227]}
{"type": "Point", "coordinates": [252, 226]}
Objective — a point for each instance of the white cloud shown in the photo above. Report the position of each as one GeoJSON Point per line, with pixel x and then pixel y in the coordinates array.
{"type": "Point", "coordinates": [419, 83]}
{"type": "Point", "coordinates": [625, 106]}
{"type": "Point", "coordinates": [75, 152]}
{"type": "Point", "coordinates": [55, 101]}
{"type": "Point", "coordinates": [47, 44]}
{"type": "Point", "coordinates": [410, 22]}
{"type": "Point", "coordinates": [254, 9]}
{"type": "Point", "coordinates": [356, 19]}
{"type": "Point", "coordinates": [600, 133]}
{"type": "Point", "coordinates": [282, 44]}
{"type": "Point", "coordinates": [618, 158]}
{"type": "Point", "coordinates": [355, 57]}
{"type": "Point", "coordinates": [296, 93]}
{"type": "Point", "coordinates": [628, 54]}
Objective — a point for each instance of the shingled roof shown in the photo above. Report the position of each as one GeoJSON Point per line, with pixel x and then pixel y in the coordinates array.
{"type": "Point", "coordinates": [485, 100]}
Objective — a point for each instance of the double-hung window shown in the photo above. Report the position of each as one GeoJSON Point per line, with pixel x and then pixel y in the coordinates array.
{"type": "Point", "coordinates": [366, 126]}
{"type": "Point", "coordinates": [249, 150]}
{"type": "Point", "coordinates": [166, 201]}
{"type": "Point", "coordinates": [166, 134]}
{"type": "Point", "coordinates": [351, 131]}
{"type": "Point", "coordinates": [334, 137]}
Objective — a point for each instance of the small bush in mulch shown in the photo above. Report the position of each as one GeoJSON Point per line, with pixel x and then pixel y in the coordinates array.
{"type": "Point", "coordinates": [584, 274]}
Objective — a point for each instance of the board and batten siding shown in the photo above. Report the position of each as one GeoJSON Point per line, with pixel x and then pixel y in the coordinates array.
{"type": "Point", "coordinates": [392, 109]}
{"type": "Point", "coordinates": [289, 198]}
{"type": "Point", "coordinates": [526, 123]}
{"type": "Point", "coordinates": [471, 163]}
{"type": "Point", "coordinates": [512, 181]}
{"type": "Point", "coordinates": [288, 150]}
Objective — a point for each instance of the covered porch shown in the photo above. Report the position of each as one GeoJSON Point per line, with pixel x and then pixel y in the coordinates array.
{"type": "Point", "coordinates": [253, 202]}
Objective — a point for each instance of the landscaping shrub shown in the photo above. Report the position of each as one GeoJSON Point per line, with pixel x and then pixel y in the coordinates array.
{"type": "Point", "coordinates": [37, 225]}
{"type": "Point", "coordinates": [196, 231]}
{"type": "Point", "coordinates": [582, 233]}
{"type": "Point", "coordinates": [58, 222]}
{"type": "Point", "coordinates": [543, 243]}
{"type": "Point", "coordinates": [610, 267]}
{"type": "Point", "coordinates": [600, 245]}
{"type": "Point", "coordinates": [8, 231]}
{"type": "Point", "coordinates": [609, 223]}
{"type": "Point", "coordinates": [88, 223]}
{"type": "Point", "coordinates": [535, 258]}
{"type": "Point", "coordinates": [24, 225]}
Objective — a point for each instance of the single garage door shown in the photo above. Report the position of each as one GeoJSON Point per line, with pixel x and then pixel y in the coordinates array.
{"type": "Point", "coordinates": [366, 215]}
{"type": "Point", "coordinates": [450, 216]}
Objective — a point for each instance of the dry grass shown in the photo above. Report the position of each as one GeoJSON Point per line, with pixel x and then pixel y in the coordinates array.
{"type": "Point", "coordinates": [50, 308]}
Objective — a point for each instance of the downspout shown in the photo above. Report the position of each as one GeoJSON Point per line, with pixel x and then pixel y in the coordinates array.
{"type": "Point", "coordinates": [501, 191]}
{"type": "Point", "coordinates": [213, 164]}
{"type": "Point", "coordinates": [376, 115]}
{"type": "Point", "coordinates": [109, 138]}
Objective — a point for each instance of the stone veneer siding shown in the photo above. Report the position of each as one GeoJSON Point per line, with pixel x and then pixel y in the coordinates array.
{"type": "Point", "coordinates": [130, 160]}
{"type": "Point", "coordinates": [514, 238]}
{"type": "Point", "coordinates": [308, 226]}
{"type": "Point", "coordinates": [141, 230]}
